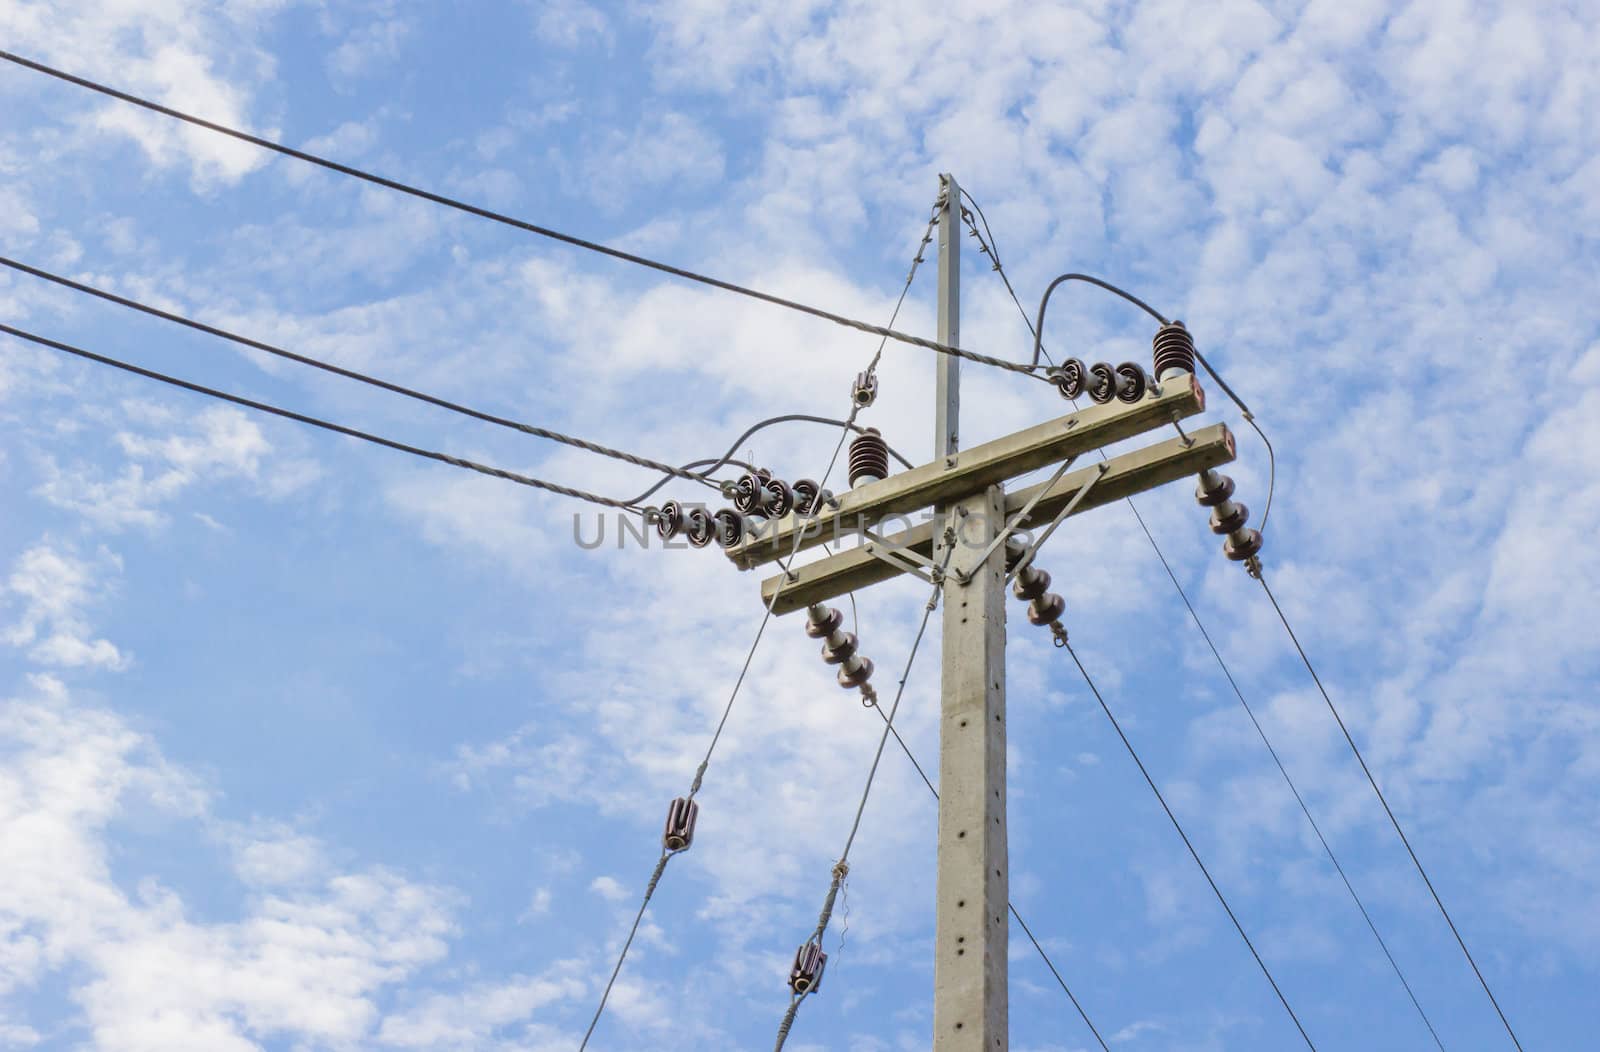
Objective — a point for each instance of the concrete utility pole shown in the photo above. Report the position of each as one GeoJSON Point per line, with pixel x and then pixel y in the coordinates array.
{"type": "Point", "coordinates": [966, 490]}
{"type": "Point", "coordinates": [969, 963]}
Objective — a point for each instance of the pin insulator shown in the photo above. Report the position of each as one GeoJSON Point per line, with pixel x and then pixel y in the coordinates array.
{"type": "Point", "coordinates": [1132, 383]}
{"type": "Point", "coordinates": [698, 527]}
{"type": "Point", "coordinates": [1101, 386]}
{"type": "Point", "coordinates": [1214, 488]}
{"type": "Point", "coordinates": [809, 962]}
{"type": "Point", "coordinates": [1045, 609]}
{"type": "Point", "coordinates": [1229, 516]}
{"type": "Point", "coordinates": [1030, 584]}
{"type": "Point", "coordinates": [669, 520]}
{"type": "Point", "coordinates": [869, 458]}
{"type": "Point", "coordinates": [1173, 351]}
{"type": "Point", "coordinates": [729, 527]}
{"type": "Point", "coordinates": [865, 390]}
{"type": "Point", "coordinates": [681, 816]}
{"type": "Point", "coordinates": [823, 621]}
{"type": "Point", "coordinates": [857, 676]}
{"type": "Point", "coordinates": [1242, 545]}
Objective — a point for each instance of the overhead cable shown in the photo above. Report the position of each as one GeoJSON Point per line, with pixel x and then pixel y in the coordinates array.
{"type": "Point", "coordinates": [511, 221]}
{"type": "Point", "coordinates": [1372, 781]}
{"type": "Point", "coordinates": [351, 374]}
{"type": "Point", "coordinates": [288, 414]}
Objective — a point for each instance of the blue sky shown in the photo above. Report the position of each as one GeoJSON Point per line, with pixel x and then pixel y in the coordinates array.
{"type": "Point", "coordinates": [310, 745]}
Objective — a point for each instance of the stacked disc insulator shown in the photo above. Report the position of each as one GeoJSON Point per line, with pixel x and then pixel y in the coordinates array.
{"type": "Point", "coordinates": [1228, 516]}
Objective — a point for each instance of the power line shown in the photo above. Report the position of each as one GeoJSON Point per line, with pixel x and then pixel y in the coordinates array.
{"type": "Point", "coordinates": [1390, 812]}
{"type": "Point", "coordinates": [511, 221]}
{"type": "Point", "coordinates": [842, 867]}
{"type": "Point", "coordinates": [1048, 963]}
{"type": "Point", "coordinates": [1304, 809]}
{"type": "Point", "coordinates": [288, 414]}
{"type": "Point", "coordinates": [351, 374]}
{"type": "Point", "coordinates": [990, 248]}
{"type": "Point", "coordinates": [1186, 843]}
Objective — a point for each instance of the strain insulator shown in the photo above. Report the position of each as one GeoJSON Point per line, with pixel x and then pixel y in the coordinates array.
{"type": "Point", "coordinates": [750, 491]}
{"type": "Point", "coordinates": [681, 816]}
{"type": "Point", "coordinates": [806, 975]}
{"type": "Point", "coordinates": [1030, 584]}
{"type": "Point", "coordinates": [1046, 609]}
{"type": "Point", "coordinates": [1132, 383]}
{"type": "Point", "coordinates": [1173, 351]}
{"type": "Point", "coordinates": [669, 520]}
{"type": "Point", "coordinates": [869, 458]}
{"type": "Point", "coordinates": [1228, 517]}
{"type": "Point", "coordinates": [698, 527]}
{"type": "Point", "coordinates": [865, 390]}
{"type": "Point", "coordinates": [1101, 386]}
{"type": "Point", "coordinates": [1070, 378]}
{"type": "Point", "coordinates": [1242, 545]}
{"type": "Point", "coordinates": [808, 497]}
{"type": "Point", "coordinates": [1214, 488]}
{"type": "Point", "coordinates": [823, 621]}
{"type": "Point", "coordinates": [729, 527]}
{"type": "Point", "coordinates": [839, 648]}
{"type": "Point", "coordinates": [776, 498]}
{"type": "Point", "coordinates": [855, 672]}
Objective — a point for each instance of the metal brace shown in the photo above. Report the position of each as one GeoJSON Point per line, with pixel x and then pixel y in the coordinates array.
{"type": "Point", "coordinates": [1016, 520]}
{"type": "Point", "coordinates": [1072, 505]}
{"type": "Point", "coordinates": [902, 558]}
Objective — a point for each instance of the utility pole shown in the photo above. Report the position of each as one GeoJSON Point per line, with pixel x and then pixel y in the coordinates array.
{"type": "Point", "coordinates": [969, 964]}
{"type": "Point", "coordinates": [974, 520]}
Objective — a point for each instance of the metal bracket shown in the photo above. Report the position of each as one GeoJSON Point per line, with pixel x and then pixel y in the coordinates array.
{"type": "Point", "coordinates": [1032, 549]}
{"type": "Point", "coordinates": [1022, 513]}
{"type": "Point", "coordinates": [902, 558]}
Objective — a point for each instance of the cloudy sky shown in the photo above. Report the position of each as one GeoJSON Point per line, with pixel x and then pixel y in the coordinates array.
{"type": "Point", "coordinates": [307, 744]}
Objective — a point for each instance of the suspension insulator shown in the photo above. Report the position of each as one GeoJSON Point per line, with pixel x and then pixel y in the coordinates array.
{"type": "Point", "coordinates": [698, 527]}
{"type": "Point", "coordinates": [1229, 516]}
{"type": "Point", "coordinates": [729, 526]}
{"type": "Point", "coordinates": [669, 520]}
{"type": "Point", "coordinates": [808, 497]}
{"type": "Point", "coordinates": [1101, 386]}
{"type": "Point", "coordinates": [777, 499]}
{"type": "Point", "coordinates": [681, 816]}
{"type": "Point", "coordinates": [806, 975]}
{"type": "Point", "coordinates": [1242, 545]}
{"type": "Point", "coordinates": [823, 621]}
{"type": "Point", "coordinates": [1173, 351]}
{"type": "Point", "coordinates": [1214, 488]}
{"type": "Point", "coordinates": [869, 458]}
{"type": "Point", "coordinates": [1030, 584]}
{"type": "Point", "coordinates": [865, 390]}
{"type": "Point", "coordinates": [1070, 378]}
{"type": "Point", "coordinates": [749, 492]}
{"type": "Point", "coordinates": [836, 650]}
{"type": "Point", "coordinates": [1132, 383]}
{"type": "Point", "coordinates": [1045, 609]}
{"type": "Point", "coordinates": [855, 676]}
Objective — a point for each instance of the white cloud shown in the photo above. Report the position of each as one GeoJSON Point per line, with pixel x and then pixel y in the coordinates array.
{"type": "Point", "coordinates": [302, 963]}
{"type": "Point", "coordinates": [54, 586]}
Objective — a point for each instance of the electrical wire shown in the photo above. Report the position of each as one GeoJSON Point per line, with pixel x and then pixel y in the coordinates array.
{"type": "Point", "coordinates": [287, 414]}
{"type": "Point", "coordinates": [1048, 963]}
{"type": "Point", "coordinates": [351, 374]}
{"type": "Point", "coordinates": [1372, 781]}
{"type": "Point", "coordinates": [1304, 809]}
{"type": "Point", "coordinates": [1188, 844]}
{"type": "Point", "coordinates": [520, 224]}
{"type": "Point", "coordinates": [990, 248]}
{"type": "Point", "coordinates": [841, 868]}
